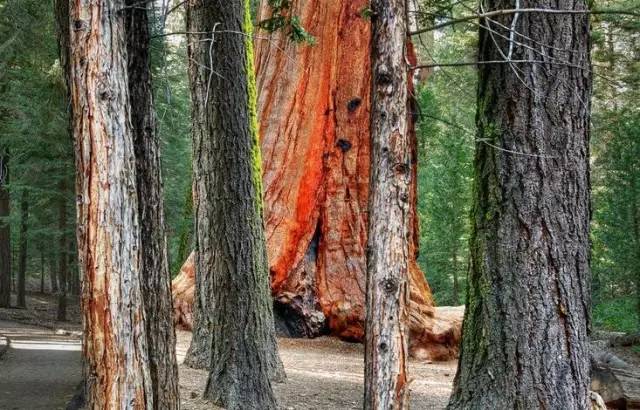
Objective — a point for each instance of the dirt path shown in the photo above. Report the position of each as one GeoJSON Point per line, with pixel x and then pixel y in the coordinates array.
{"type": "Point", "coordinates": [325, 374]}
{"type": "Point", "coordinates": [41, 370]}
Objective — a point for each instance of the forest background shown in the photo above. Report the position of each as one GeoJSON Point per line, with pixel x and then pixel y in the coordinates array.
{"type": "Point", "coordinates": [37, 152]}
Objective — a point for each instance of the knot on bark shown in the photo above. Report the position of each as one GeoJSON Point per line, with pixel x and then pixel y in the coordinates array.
{"type": "Point", "coordinates": [390, 285]}
{"type": "Point", "coordinates": [344, 145]}
{"type": "Point", "coordinates": [383, 76]}
{"type": "Point", "coordinates": [79, 25]}
{"type": "Point", "coordinates": [353, 104]}
{"type": "Point", "coordinates": [401, 168]}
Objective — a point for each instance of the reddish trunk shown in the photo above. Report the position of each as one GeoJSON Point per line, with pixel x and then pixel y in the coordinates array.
{"type": "Point", "coordinates": [314, 108]}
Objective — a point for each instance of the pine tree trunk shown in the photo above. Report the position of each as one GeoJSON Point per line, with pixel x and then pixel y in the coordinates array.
{"type": "Point", "coordinates": [5, 232]}
{"type": "Point", "coordinates": [525, 339]}
{"type": "Point", "coordinates": [232, 286]}
{"type": "Point", "coordinates": [156, 280]}
{"type": "Point", "coordinates": [456, 281]}
{"type": "Point", "coordinates": [22, 258]}
{"type": "Point", "coordinates": [386, 335]}
{"type": "Point", "coordinates": [53, 277]}
{"type": "Point", "coordinates": [63, 257]}
{"type": "Point", "coordinates": [115, 342]}
{"type": "Point", "coordinates": [41, 271]}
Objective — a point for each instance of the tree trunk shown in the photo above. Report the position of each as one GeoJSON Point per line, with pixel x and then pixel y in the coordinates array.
{"type": "Point", "coordinates": [115, 343]}
{"type": "Point", "coordinates": [156, 279]}
{"type": "Point", "coordinates": [456, 281]}
{"type": "Point", "coordinates": [41, 271]}
{"type": "Point", "coordinates": [525, 339]}
{"type": "Point", "coordinates": [231, 268]}
{"type": "Point", "coordinates": [63, 257]}
{"type": "Point", "coordinates": [314, 125]}
{"type": "Point", "coordinates": [386, 335]}
{"type": "Point", "coordinates": [22, 259]}
{"type": "Point", "coordinates": [5, 232]}
{"type": "Point", "coordinates": [53, 277]}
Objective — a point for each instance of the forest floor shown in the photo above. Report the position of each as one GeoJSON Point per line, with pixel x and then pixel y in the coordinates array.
{"type": "Point", "coordinates": [325, 373]}
{"type": "Point", "coordinates": [322, 374]}
{"type": "Point", "coordinates": [40, 370]}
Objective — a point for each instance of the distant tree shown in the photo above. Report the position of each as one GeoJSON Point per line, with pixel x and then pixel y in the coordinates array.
{"type": "Point", "coordinates": [525, 341]}
{"type": "Point", "coordinates": [386, 331]}
{"type": "Point", "coordinates": [63, 257]}
{"type": "Point", "coordinates": [234, 331]}
{"type": "Point", "coordinates": [22, 257]}
{"type": "Point", "coordinates": [5, 231]}
{"type": "Point", "coordinates": [115, 342]}
{"type": "Point", "coordinates": [155, 276]}
{"type": "Point", "coordinates": [616, 170]}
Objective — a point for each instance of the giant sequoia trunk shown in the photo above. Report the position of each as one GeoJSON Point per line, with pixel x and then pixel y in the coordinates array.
{"type": "Point", "coordinates": [314, 106]}
{"type": "Point", "coordinates": [5, 232]}
{"type": "Point", "coordinates": [156, 279]}
{"type": "Point", "coordinates": [234, 330]}
{"type": "Point", "coordinates": [389, 213]}
{"type": "Point", "coordinates": [115, 344]}
{"type": "Point", "coordinates": [525, 329]}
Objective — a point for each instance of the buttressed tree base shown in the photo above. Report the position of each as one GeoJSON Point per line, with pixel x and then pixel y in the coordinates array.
{"type": "Point", "coordinates": [314, 110]}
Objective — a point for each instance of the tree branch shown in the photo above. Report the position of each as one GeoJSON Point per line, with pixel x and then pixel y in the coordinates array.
{"type": "Point", "coordinates": [513, 11]}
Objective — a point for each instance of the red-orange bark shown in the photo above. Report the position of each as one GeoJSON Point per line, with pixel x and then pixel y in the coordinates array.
{"type": "Point", "coordinates": [314, 110]}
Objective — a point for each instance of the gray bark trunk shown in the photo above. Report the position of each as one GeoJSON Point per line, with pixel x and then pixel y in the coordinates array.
{"type": "Point", "coordinates": [234, 330]}
{"type": "Point", "coordinates": [156, 279]}
{"type": "Point", "coordinates": [525, 330]}
{"type": "Point", "coordinates": [5, 232]}
{"type": "Point", "coordinates": [115, 341]}
{"type": "Point", "coordinates": [386, 334]}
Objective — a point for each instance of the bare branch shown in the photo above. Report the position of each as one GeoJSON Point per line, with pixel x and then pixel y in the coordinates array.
{"type": "Point", "coordinates": [514, 11]}
{"type": "Point", "coordinates": [473, 63]}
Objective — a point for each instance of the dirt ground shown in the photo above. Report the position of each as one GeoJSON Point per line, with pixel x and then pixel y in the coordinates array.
{"type": "Point", "coordinates": [323, 373]}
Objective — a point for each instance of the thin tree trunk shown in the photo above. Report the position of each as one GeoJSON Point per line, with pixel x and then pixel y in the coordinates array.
{"type": "Point", "coordinates": [386, 335]}
{"type": "Point", "coordinates": [232, 281]}
{"type": "Point", "coordinates": [156, 279]}
{"type": "Point", "coordinates": [109, 254]}
{"type": "Point", "coordinates": [5, 232]}
{"type": "Point", "coordinates": [53, 276]}
{"type": "Point", "coordinates": [22, 258]}
{"type": "Point", "coordinates": [456, 280]}
{"type": "Point", "coordinates": [63, 269]}
{"type": "Point", "coordinates": [525, 341]}
{"type": "Point", "coordinates": [41, 271]}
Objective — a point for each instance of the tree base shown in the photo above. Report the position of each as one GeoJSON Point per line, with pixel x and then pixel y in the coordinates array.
{"type": "Point", "coordinates": [435, 333]}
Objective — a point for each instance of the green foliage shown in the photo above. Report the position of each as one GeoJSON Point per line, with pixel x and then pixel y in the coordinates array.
{"type": "Point", "coordinates": [614, 315]}
{"type": "Point", "coordinates": [34, 127]}
{"type": "Point", "coordinates": [616, 169]}
{"type": "Point", "coordinates": [281, 19]}
{"type": "Point", "coordinates": [446, 138]}
{"type": "Point", "coordinates": [173, 108]}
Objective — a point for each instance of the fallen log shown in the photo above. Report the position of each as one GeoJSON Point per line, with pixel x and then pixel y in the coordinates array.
{"type": "Point", "coordinates": [617, 382]}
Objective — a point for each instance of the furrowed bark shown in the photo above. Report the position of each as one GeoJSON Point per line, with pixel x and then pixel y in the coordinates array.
{"type": "Point", "coordinates": [155, 276]}
{"type": "Point", "coordinates": [115, 344]}
{"type": "Point", "coordinates": [525, 339]}
{"type": "Point", "coordinates": [314, 126]}
{"type": "Point", "coordinates": [386, 335]}
{"type": "Point", "coordinates": [234, 331]}
{"type": "Point", "coordinates": [5, 231]}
